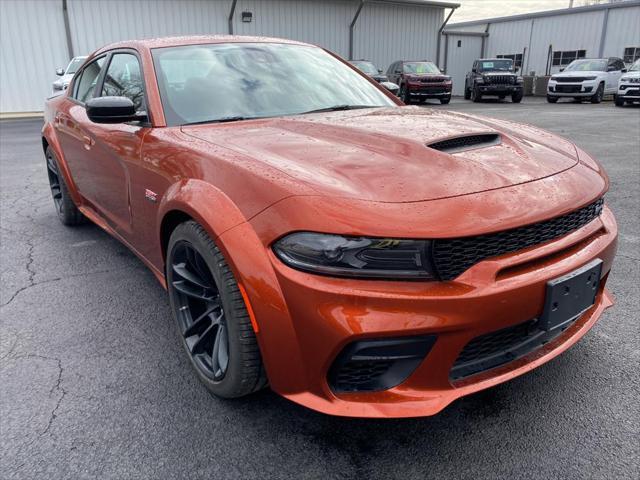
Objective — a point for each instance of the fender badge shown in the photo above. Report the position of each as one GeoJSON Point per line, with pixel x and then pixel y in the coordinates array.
{"type": "Point", "coordinates": [151, 196]}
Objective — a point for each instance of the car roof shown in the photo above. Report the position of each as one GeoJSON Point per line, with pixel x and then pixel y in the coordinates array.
{"type": "Point", "coordinates": [164, 42]}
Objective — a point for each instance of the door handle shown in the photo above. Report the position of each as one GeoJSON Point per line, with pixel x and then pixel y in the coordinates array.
{"type": "Point", "coordinates": [88, 142]}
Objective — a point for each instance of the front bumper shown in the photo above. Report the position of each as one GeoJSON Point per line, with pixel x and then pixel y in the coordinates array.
{"type": "Point", "coordinates": [582, 89]}
{"type": "Point", "coordinates": [630, 91]}
{"type": "Point", "coordinates": [499, 89]}
{"type": "Point", "coordinates": [306, 320]}
{"type": "Point", "coordinates": [435, 90]}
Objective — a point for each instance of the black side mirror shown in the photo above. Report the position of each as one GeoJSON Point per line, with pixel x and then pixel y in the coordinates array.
{"type": "Point", "coordinates": [624, 70]}
{"type": "Point", "coordinates": [398, 71]}
{"type": "Point", "coordinates": [113, 110]}
{"type": "Point", "coordinates": [379, 70]}
{"type": "Point", "coordinates": [474, 70]}
{"type": "Point", "coordinates": [59, 71]}
{"type": "Point", "coordinates": [562, 69]}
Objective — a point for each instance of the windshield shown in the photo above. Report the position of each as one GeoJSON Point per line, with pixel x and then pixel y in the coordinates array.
{"type": "Point", "coordinates": [496, 65]}
{"type": "Point", "coordinates": [74, 65]}
{"type": "Point", "coordinates": [225, 82]}
{"type": "Point", "coordinates": [587, 66]}
{"type": "Point", "coordinates": [635, 67]}
{"type": "Point", "coordinates": [419, 67]}
{"type": "Point", "coordinates": [366, 67]}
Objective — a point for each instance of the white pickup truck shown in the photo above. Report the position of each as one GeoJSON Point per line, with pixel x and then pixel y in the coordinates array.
{"type": "Point", "coordinates": [629, 86]}
{"type": "Point", "coordinates": [586, 79]}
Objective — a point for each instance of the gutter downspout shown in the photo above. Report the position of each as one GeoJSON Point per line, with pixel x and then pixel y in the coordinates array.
{"type": "Point", "coordinates": [352, 26]}
{"type": "Point", "coordinates": [484, 43]}
{"type": "Point", "coordinates": [230, 18]}
{"type": "Point", "coordinates": [438, 40]}
{"type": "Point", "coordinates": [603, 34]}
{"type": "Point", "coordinates": [67, 28]}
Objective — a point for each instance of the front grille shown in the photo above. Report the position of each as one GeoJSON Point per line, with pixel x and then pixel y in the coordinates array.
{"type": "Point", "coordinates": [452, 145]}
{"type": "Point", "coordinates": [426, 89]}
{"type": "Point", "coordinates": [500, 347]}
{"type": "Point", "coordinates": [632, 93]}
{"type": "Point", "coordinates": [432, 80]}
{"type": "Point", "coordinates": [501, 79]}
{"type": "Point", "coordinates": [570, 79]}
{"type": "Point", "coordinates": [568, 88]}
{"type": "Point", "coordinates": [453, 256]}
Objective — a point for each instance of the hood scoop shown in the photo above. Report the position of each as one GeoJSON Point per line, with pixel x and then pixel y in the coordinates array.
{"type": "Point", "coordinates": [466, 142]}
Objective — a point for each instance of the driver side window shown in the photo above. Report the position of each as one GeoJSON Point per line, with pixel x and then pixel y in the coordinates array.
{"type": "Point", "coordinates": [123, 79]}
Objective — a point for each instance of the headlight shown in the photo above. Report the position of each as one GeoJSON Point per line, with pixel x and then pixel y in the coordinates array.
{"type": "Point", "coordinates": [625, 79]}
{"type": "Point", "coordinates": [590, 78]}
{"type": "Point", "coordinates": [519, 80]}
{"type": "Point", "coordinates": [356, 256]}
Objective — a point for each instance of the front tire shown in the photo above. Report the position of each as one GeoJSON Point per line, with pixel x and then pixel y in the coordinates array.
{"type": "Point", "coordinates": [551, 99]}
{"type": "Point", "coordinates": [445, 100]}
{"type": "Point", "coordinates": [476, 96]}
{"type": "Point", "coordinates": [211, 315]}
{"type": "Point", "coordinates": [405, 95]}
{"type": "Point", "coordinates": [598, 96]}
{"type": "Point", "coordinates": [467, 92]}
{"type": "Point", "coordinates": [517, 97]}
{"type": "Point", "coordinates": [619, 101]}
{"type": "Point", "coordinates": [66, 209]}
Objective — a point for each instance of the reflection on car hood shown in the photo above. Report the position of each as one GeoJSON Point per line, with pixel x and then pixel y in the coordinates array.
{"type": "Point", "coordinates": [382, 154]}
{"type": "Point", "coordinates": [585, 73]}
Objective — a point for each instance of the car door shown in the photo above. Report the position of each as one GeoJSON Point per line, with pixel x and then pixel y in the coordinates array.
{"type": "Point", "coordinates": [98, 154]}
{"type": "Point", "coordinates": [614, 72]}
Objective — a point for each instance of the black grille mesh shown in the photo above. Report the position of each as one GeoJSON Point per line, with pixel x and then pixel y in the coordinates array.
{"type": "Point", "coordinates": [570, 79]}
{"type": "Point", "coordinates": [356, 373]}
{"type": "Point", "coordinates": [495, 342]}
{"type": "Point", "coordinates": [453, 256]}
{"type": "Point", "coordinates": [468, 141]}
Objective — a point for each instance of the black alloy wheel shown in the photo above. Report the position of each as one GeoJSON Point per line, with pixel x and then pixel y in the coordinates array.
{"type": "Point", "coordinates": [211, 314]}
{"type": "Point", "coordinates": [200, 313]}
{"type": "Point", "coordinates": [66, 210]}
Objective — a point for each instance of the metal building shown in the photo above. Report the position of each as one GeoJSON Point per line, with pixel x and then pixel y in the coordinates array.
{"type": "Point", "coordinates": [544, 42]}
{"type": "Point", "coordinates": [39, 35]}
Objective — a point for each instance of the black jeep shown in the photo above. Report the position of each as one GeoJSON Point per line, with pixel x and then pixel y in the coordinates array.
{"type": "Point", "coordinates": [493, 77]}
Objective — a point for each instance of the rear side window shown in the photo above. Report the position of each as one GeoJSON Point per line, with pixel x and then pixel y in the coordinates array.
{"type": "Point", "coordinates": [85, 84]}
{"type": "Point", "coordinates": [123, 79]}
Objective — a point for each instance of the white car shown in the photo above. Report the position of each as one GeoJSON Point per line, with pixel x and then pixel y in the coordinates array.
{"type": "Point", "coordinates": [62, 83]}
{"type": "Point", "coordinates": [586, 79]}
{"type": "Point", "coordinates": [629, 86]}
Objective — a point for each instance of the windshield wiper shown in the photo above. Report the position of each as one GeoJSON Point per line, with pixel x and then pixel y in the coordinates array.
{"type": "Point", "coordinates": [337, 108]}
{"type": "Point", "coordinates": [221, 120]}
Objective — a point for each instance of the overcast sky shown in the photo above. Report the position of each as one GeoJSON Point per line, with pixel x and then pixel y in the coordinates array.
{"type": "Point", "coordinates": [479, 9]}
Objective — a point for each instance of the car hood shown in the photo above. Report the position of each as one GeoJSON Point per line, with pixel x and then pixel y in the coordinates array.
{"type": "Point", "coordinates": [585, 73]}
{"type": "Point", "coordinates": [383, 155]}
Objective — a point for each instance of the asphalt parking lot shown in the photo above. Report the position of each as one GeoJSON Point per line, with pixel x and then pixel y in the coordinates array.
{"type": "Point", "coordinates": [93, 382]}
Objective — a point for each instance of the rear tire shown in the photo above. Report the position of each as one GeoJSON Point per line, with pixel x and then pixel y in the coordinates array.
{"type": "Point", "coordinates": [211, 315]}
{"type": "Point", "coordinates": [66, 209]}
{"type": "Point", "coordinates": [551, 99]}
{"type": "Point", "coordinates": [597, 97]}
{"type": "Point", "coordinates": [619, 101]}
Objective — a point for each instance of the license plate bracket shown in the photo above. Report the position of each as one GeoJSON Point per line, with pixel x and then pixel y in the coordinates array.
{"type": "Point", "coordinates": [568, 296]}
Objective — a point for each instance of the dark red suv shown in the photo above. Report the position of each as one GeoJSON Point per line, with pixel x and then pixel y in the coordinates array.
{"type": "Point", "coordinates": [420, 80]}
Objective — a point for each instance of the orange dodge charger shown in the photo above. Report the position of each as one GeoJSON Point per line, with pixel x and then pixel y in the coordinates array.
{"type": "Point", "coordinates": [362, 257]}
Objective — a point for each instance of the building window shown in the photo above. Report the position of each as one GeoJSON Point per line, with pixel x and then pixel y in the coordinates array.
{"type": "Point", "coordinates": [516, 57]}
{"type": "Point", "coordinates": [565, 58]}
{"type": "Point", "coordinates": [631, 54]}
